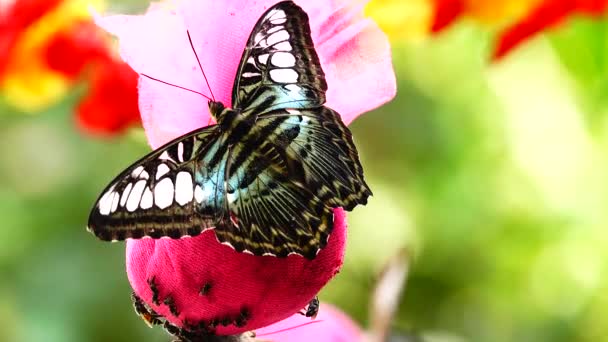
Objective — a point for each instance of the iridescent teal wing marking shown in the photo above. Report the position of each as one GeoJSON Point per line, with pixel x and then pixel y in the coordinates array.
{"type": "Point", "coordinates": [279, 67]}
{"type": "Point", "coordinates": [272, 211]}
{"type": "Point", "coordinates": [163, 194]}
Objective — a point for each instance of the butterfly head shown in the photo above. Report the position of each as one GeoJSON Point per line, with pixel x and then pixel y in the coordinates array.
{"type": "Point", "coordinates": [231, 121]}
{"type": "Point", "coordinates": [216, 108]}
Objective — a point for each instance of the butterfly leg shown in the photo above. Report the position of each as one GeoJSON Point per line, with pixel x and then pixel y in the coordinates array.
{"type": "Point", "coordinates": [312, 309]}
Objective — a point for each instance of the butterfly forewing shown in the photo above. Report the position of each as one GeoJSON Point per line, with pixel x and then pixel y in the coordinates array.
{"type": "Point", "coordinates": [160, 195]}
{"type": "Point", "coordinates": [279, 67]}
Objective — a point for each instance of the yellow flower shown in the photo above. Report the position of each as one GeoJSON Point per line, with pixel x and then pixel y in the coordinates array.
{"type": "Point", "coordinates": [402, 19]}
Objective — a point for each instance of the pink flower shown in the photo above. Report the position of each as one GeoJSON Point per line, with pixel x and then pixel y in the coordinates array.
{"type": "Point", "coordinates": [331, 324]}
{"type": "Point", "coordinates": [208, 281]}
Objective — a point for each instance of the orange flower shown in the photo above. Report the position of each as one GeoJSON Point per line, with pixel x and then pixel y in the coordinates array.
{"type": "Point", "coordinates": [48, 46]}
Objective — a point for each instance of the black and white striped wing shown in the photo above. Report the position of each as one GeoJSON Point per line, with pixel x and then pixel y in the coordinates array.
{"type": "Point", "coordinates": [161, 194]}
{"type": "Point", "coordinates": [279, 67]}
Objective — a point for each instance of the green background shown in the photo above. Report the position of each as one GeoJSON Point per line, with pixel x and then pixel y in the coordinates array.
{"type": "Point", "coordinates": [493, 175]}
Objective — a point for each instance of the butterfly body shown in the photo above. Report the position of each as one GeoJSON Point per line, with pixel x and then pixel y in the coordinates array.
{"type": "Point", "coordinates": [267, 176]}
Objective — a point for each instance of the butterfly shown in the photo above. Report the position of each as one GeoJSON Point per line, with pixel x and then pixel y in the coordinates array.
{"type": "Point", "coordinates": [267, 176]}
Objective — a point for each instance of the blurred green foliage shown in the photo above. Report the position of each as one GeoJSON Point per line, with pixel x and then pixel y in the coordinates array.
{"type": "Point", "coordinates": [493, 174]}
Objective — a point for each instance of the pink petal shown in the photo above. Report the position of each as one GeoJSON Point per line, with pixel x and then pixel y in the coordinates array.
{"type": "Point", "coordinates": [355, 55]}
{"type": "Point", "coordinates": [156, 44]}
{"type": "Point", "coordinates": [269, 288]}
{"type": "Point", "coordinates": [331, 324]}
{"type": "Point", "coordinates": [354, 52]}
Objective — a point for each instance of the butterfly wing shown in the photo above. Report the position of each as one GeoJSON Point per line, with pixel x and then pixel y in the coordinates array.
{"type": "Point", "coordinates": [170, 192]}
{"type": "Point", "coordinates": [323, 147]}
{"type": "Point", "coordinates": [271, 211]}
{"type": "Point", "coordinates": [279, 67]}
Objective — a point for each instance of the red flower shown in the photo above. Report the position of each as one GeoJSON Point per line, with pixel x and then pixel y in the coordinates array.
{"type": "Point", "coordinates": [69, 51]}
{"type": "Point", "coordinates": [547, 14]}
{"type": "Point", "coordinates": [446, 11]}
{"type": "Point", "coordinates": [110, 105]}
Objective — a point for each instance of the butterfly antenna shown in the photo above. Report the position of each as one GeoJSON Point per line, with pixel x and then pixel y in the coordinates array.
{"type": "Point", "coordinates": [176, 86]}
{"type": "Point", "coordinates": [199, 65]}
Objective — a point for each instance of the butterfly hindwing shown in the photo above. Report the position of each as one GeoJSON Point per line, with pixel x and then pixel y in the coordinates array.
{"type": "Point", "coordinates": [285, 178]}
{"type": "Point", "coordinates": [279, 67]}
{"type": "Point", "coordinates": [319, 141]}
{"type": "Point", "coordinates": [158, 195]}
{"type": "Point", "coordinates": [271, 210]}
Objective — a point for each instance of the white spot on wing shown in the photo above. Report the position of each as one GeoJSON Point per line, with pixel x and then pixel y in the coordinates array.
{"type": "Point", "coordinates": [135, 173]}
{"type": "Point", "coordinates": [277, 37]}
{"type": "Point", "coordinates": [275, 29]}
{"type": "Point", "coordinates": [278, 21]}
{"type": "Point", "coordinates": [115, 200]}
{"type": "Point", "coordinates": [283, 59]}
{"type": "Point", "coordinates": [180, 152]}
{"type": "Point", "coordinates": [283, 46]}
{"type": "Point", "coordinates": [147, 199]}
{"type": "Point", "coordinates": [105, 202]}
{"type": "Point", "coordinates": [250, 74]}
{"type": "Point", "coordinates": [284, 75]}
{"type": "Point", "coordinates": [293, 88]}
{"type": "Point", "coordinates": [163, 193]}
{"type": "Point", "coordinates": [165, 156]}
{"type": "Point", "coordinates": [135, 196]}
{"type": "Point", "coordinates": [231, 196]}
{"type": "Point", "coordinates": [198, 194]}
{"type": "Point", "coordinates": [125, 194]}
{"type": "Point", "coordinates": [226, 243]}
{"type": "Point", "coordinates": [183, 188]}
{"type": "Point", "coordinates": [258, 38]}
{"type": "Point", "coordinates": [263, 58]}
{"type": "Point", "coordinates": [161, 170]}
{"type": "Point", "coordinates": [276, 14]}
